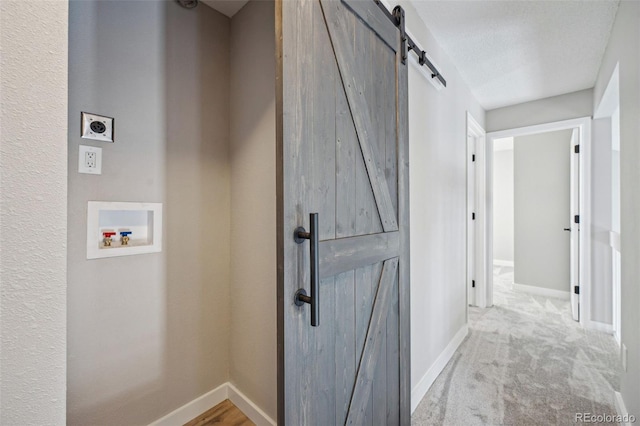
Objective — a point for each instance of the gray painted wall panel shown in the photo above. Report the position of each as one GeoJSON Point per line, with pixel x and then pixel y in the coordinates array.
{"type": "Point", "coordinates": [252, 365]}
{"type": "Point", "coordinates": [149, 333]}
{"type": "Point", "coordinates": [503, 238]}
{"type": "Point", "coordinates": [541, 209]}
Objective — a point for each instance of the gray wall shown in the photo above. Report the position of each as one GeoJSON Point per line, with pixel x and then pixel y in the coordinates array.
{"type": "Point", "coordinates": [624, 48]}
{"type": "Point", "coordinates": [437, 139]}
{"type": "Point", "coordinates": [253, 364]}
{"type": "Point", "coordinates": [149, 333]}
{"type": "Point", "coordinates": [503, 207]}
{"type": "Point", "coordinates": [557, 108]}
{"type": "Point", "coordinates": [33, 223]}
{"type": "Point", "coordinates": [541, 206]}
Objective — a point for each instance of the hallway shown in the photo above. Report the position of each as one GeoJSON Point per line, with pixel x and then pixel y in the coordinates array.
{"type": "Point", "coordinates": [525, 361]}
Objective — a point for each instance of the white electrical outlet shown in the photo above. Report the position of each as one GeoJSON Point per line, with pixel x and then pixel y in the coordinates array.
{"type": "Point", "coordinates": [90, 160]}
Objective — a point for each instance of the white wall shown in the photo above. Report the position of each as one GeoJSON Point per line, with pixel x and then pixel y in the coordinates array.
{"type": "Point", "coordinates": [33, 221]}
{"type": "Point", "coordinates": [503, 214]}
{"type": "Point", "coordinates": [541, 206]}
{"type": "Point", "coordinates": [601, 202]}
{"type": "Point", "coordinates": [615, 170]}
{"type": "Point", "coordinates": [557, 108]}
{"type": "Point", "coordinates": [253, 338]}
{"type": "Point", "coordinates": [437, 137]}
{"type": "Point", "coordinates": [149, 333]}
{"type": "Point", "coordinates": [624, 48]}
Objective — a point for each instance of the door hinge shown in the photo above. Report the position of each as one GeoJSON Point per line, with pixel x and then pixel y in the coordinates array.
{"type": "Point", "coordinates": [473, 216]}
{"type": "Point", "coordinates": [473, 283]}
{"type": "Point", "coordinates": [576, 218]}
{"type": "Point", "coordinates": [576, 289]}
{"type": "Point", "coordinates": [576, 149]}
{"type": "Point", "coordinates": [473, 157]}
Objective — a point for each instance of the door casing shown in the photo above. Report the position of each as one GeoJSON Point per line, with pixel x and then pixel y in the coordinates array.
{"type": "Point", "coordinates": [583, 128]}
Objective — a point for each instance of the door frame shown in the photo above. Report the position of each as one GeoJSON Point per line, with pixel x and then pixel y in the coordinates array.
{"type": "Point", "coordinates": [609, 108]}
{"type": "Point", "coordinates": [583, 125]}
{"type": "Point", "coordinates": [477, 267]}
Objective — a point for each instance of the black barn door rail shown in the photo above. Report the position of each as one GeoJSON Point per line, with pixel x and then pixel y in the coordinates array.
{"type": "Point", "coordinates": [397, 17]}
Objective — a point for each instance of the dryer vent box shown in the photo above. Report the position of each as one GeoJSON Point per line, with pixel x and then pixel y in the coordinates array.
{"type": "Point", "coordinates": [96, 127]}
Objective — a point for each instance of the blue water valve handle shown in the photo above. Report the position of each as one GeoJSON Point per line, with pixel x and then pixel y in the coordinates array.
{"type": "Point", "coordinates": [125, 233]}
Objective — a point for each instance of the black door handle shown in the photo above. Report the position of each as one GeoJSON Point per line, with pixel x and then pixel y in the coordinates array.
{"type": "Point", "coordinates": [567, 229]}
{"type": "Point", "coordinates": [299, 235]}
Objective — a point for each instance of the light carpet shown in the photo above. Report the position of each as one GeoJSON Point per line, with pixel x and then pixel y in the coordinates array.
{"type": "Point", "coordinates": [525, 362]}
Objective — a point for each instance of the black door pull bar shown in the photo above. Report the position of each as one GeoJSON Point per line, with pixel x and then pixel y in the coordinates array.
{"type": "Point", "coordinates": [299, 235]}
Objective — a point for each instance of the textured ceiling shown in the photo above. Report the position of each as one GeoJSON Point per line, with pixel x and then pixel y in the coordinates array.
{"type": "Point", "coordinates": [516, 51]}
{"type": "Point", "coordinates": [226, 7]}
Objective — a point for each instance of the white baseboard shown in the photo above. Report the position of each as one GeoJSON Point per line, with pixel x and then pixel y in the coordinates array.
{"type": "Point", "coordinates": [499, 262]}
{"type": "Point", "coordinates": [599, 326]}
{"type": "Point", "coordinates": [541, 291]}
{"type": "Point", "coordinates": [194, 408]}
{"type": "Point", "coordinates": [420, 390]}
{"type": "Point", "coordinates": [622, 410]}
{"type": "Point", "coordinates": [251, 410]}
{"type": "Point", "coordinates": [209, 400]}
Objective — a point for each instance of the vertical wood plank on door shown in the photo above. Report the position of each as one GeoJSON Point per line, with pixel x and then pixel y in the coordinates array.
{"type": "Point", "coordinates": [381, 81]}
{"type": "Point", "coordinates": [365, 292]}
{"type": "Point", "coordinates": [376, 99]}
{"type": "Point", "coordinates": [391, 139]}
{"type": "Point", "coordinates": [289, 20]}
{"type": "Point", "coordinates": [403, 214]}
{"type": "Point", "coordinates": [323, 127]}
{"type": "Point", "coordinates": [345, 343]}
{"type": "Point", "coordinates": [379, 394]}
{"type": "Point", "coordinates": [324, 198]}
{"type": "Point", "coordinates": [302, 159]}
{"type": "Point", "coordinates": [393, 364]}
{"type": "Point", "coordinates": [322, 371]}
{"type": "Point", "coordinates": [367, 220]}
{"type": "Point", "coordinates": [347, 149]}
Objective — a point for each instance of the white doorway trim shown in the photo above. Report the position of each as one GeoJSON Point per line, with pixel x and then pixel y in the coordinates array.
{"type": "Point", "coordinates": [609, 108]}
{"type": "Point", "coordinates": [478, 251]}
{"type": "Point", "coordinates": [583, 125]}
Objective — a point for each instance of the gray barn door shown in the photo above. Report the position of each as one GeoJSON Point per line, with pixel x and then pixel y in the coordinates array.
{"type": "Point", "coordinates": [343, 154]}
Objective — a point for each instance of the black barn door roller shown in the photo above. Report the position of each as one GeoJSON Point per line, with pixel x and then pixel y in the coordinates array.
{"type": "Point", "coordinates": [397, 17]}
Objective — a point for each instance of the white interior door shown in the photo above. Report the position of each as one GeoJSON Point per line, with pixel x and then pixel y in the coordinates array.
{"type": "Point", "coordinates": [574, 227]}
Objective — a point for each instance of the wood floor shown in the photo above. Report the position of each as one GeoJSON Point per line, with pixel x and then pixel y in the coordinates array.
{"type": "Point", "coordinates": [225, 414]}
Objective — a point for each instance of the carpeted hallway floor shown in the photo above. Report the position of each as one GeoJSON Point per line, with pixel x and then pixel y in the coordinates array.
{"type": "Point", "coordinates": [524, 362]}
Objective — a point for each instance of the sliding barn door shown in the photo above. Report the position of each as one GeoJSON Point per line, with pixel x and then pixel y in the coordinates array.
{"type": "Point", "coordinates": [343, 235]}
